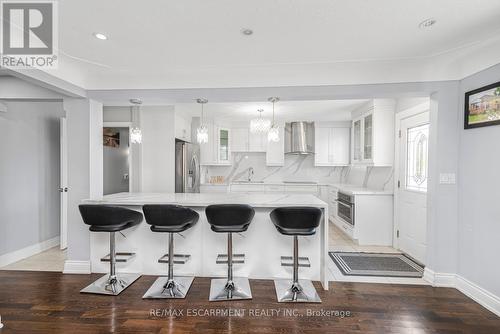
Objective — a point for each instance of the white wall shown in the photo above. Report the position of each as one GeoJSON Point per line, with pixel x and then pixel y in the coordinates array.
{"type": "Point", "coordinates": [116, 164]}
{"type": "Point", "coordinates": [29, 174]}
{"type": "Point", "coordinates": [123, 114]}
{"type": "Point", "coordinates": [479, 194]}
{"type": "Point", "coordinates": [84, 125]}
{"type": "Point", "coordinates": [442, 199]}
{"type": "Point", "coordinates": [158, 148]}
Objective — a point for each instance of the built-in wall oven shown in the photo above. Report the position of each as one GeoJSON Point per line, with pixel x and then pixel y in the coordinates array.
{"type": "Point", "coordinates": [345, 207]}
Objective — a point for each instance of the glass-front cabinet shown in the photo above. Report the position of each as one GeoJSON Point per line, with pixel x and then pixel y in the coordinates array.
{"type": "Point", "coordinates": [368, 137]}
{"type": "Point", "coordinates": [362, 139]}
{"type": "Point", "coordinates": [372, 133]}
{"type": "Point", "coordinates": [223, 146]}
{"type": "Point", "coordinates": [356, 141]}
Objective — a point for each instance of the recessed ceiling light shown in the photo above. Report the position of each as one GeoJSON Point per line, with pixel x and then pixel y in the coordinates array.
{"type": "Point", "coordinates": [98, 35]}
{"type": "Point", "coordinates": [427, 23]}
{"type": "Point", "coordinates": [246, 31]}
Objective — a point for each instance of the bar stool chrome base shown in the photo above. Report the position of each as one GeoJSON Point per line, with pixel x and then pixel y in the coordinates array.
{"type": "Point", "coordinates": [163, 288]}
{"type": "Point", "coordinates": [302, 291]}
{"type": "Point", "coordinates": [221, 289]}
{"type": "Point", "coordinates": [111, 285]}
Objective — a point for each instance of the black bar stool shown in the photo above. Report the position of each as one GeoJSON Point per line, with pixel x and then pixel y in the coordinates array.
{"type": "Point", "coordinates": [170, 219]}
{"type": "Point", "coordinates": [230, 218]}
{"type": "Point", "coordinates": [296, 221]}
{"type": "Point", "coordinates": [110, 219]}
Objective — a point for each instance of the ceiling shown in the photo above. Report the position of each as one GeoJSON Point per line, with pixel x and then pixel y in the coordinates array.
{"type": "Point", "coordinates": [198, 43]}
{"type": "Point", "coordinates": [333, 110]}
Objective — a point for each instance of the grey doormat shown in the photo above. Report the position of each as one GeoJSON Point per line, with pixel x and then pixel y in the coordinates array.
{"type": "Point", "coordinates": [376, 264]}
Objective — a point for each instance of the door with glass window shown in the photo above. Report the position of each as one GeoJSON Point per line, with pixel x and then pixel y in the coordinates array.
{"type": "Point", "coordinates": [412, 185]}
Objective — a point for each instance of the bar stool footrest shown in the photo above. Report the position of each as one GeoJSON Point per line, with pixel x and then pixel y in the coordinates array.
{"type": "Point", "coordinates": [120, 257]}
{"type": "Point", "coordinates": [287, 261]}
{"type": "Point", "coordinates": [178, 258]}
{"type": "Point", "coordinates": [237, 258]}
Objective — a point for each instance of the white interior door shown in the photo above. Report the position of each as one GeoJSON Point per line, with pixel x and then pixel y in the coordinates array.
{"type": "Point", "coordinates": [412, 185]}
{"type": "Point", "coordinates": [63, 188]}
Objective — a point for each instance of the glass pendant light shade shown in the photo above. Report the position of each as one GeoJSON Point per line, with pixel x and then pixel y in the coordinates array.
{"type": "Point", "coordinates": [202, 134]}
{"type": "Point", "coordinates": [135, 131]}
{"type": "Point", "coordinates": [274, 134]}
{"type": "Point", "coordinates": [136, 136]}
{"type": "Point", "coordinates": [260, 124]}
{"type": "Point", "coordinates": [202, 130]}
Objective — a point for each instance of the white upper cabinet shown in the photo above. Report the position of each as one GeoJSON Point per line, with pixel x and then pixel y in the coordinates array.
{"type": "Point", "coordinates": [275, 153]}
{"type": "Point", "coordinates": [207, 151]}
{"type": "Point", "coordinates": [217, 151]}
{"type": "Point", "coordinates": [373, 133]}
{"type": "Point", "coordinates": [182, 128]}
{"type": "Point", "coordinates": [257, 142]}
{"type": "Point", "coordinates": [332, 146]}
{"type": "Point", "coordinates": [239, 140]}
{"type": "Point", "coordinates": [245, 141]}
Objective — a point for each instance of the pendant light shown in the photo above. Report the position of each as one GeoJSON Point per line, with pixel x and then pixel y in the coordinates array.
{"type": "Point", "coordinates": [274, 132]}
{"type": "Point", "coordinates": [202, 131]}
{"type": "Point", "coordinates": [135, 132]}
{"type": "Point", "coordinates": [260, 124]}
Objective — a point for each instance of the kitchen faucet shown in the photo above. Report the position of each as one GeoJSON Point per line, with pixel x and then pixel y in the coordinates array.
{"type": "Point", "coordinates": [250, 174]}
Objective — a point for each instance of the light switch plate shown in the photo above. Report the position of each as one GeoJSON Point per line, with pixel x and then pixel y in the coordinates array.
{"type": "Point", "coordinates": [447, 178]}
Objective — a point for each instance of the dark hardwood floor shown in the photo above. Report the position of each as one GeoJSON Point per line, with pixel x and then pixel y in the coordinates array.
{"type": "Point", "coordinates": [43, 302]}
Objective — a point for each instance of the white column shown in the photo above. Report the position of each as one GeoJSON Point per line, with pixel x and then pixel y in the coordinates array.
{"type": "Point", "coordinates": [84, 127]}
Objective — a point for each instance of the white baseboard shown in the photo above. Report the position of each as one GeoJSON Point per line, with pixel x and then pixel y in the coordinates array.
{"type": "Point", "coordinates": [439, 279]}
{"type": "Point", "coordinates": [485, 298]}
{"type": "Point", "coordinates": [478, 294]}
{"type": "Point", "coordinates": [76, 267]}
{"type": "Point", "coordinates": [25, 252]}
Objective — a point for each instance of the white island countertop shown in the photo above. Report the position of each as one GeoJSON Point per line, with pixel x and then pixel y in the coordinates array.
{"type": "Point", "coordinates": [205, 199]}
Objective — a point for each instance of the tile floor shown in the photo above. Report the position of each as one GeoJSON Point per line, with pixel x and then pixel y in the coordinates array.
{"type": "Point", "coordinates": [50, 260]}
{"type": "Point", "coordinates": [338, 241]}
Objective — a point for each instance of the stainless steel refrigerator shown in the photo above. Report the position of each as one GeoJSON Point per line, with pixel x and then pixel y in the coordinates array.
{"type": "Point", "coordinates": [187, 167]}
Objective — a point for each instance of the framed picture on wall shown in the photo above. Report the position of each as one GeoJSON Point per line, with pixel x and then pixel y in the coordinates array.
{"type": "Point", "coordinates": [482, 106]}
{"type": "Point", "coordinates": [111, 137]}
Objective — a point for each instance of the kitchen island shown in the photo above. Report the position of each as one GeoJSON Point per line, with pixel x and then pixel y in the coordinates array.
{"type": "Point", "coordinates": [262, 244]}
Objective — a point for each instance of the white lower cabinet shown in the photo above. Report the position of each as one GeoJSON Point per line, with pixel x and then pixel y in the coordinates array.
{"type": "Point", "coordinates": [246, 188]}
{"type": "Point", "coordinates": [273, 188]}
{"type": "Point", "coordinates": [214, 188]}
{"type": "Point", "coordinates": [302, 189]}
{"type": "Point", "coordinates": [373, 220]}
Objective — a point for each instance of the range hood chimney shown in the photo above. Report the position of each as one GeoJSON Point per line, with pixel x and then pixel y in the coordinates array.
{"type": "Point", "coordinates": [299, 138]}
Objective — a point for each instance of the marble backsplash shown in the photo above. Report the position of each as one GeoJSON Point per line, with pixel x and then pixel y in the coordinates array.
{"type": "Point", "coordinates": [298, 168]}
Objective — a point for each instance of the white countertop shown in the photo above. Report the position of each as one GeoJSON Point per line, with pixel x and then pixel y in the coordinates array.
{"type": "Point", "coordinates": [358, 190]}
{"type": "Point", "coordinates": [344, 187]}
{"type": "Point", "coordinates": [205, 199]}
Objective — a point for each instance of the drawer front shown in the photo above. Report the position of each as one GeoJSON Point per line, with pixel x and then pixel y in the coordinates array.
{"type": "Point", "coordinates": [306, 189]}
{"type": "Point", "coordinates": [213, 189]}
{"type": "Point", "coordinates": [345, 227]}
{"type": "Point", "coordinates": [247, 188]}
{"type": "Point", "coordinates": [275, 189]}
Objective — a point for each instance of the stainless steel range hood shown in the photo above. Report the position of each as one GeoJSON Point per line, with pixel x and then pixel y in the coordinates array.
{"type": "Point", "coordinates": [299, 138]}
